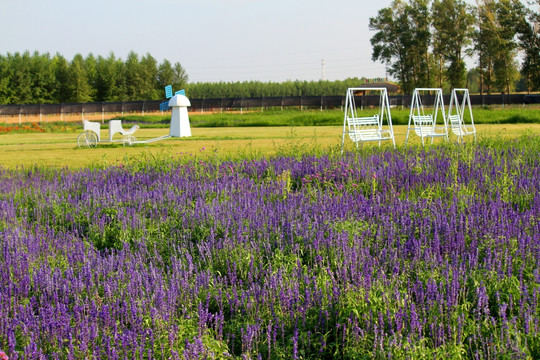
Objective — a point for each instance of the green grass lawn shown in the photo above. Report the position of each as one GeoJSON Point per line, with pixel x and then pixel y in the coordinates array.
{"type": "Point", "coordinates": [59, 149]}
{"type": "Point", "coordinates": [296, 117]}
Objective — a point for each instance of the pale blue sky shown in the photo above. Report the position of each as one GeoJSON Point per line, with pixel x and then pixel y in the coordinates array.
{"type": "Point", "coordinates": [215, 40]}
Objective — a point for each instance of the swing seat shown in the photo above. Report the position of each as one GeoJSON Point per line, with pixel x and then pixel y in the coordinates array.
{"type": "Point", "coordinates": [370, 128]}
{"type": "Point", "coordinates": [457, 120]}
{"type": "Point", "coordinates": [367, 129]}
{"type": "Point", "coordinates": [459, 128]}
{"type": "Point", "coordinates": [424, 126]}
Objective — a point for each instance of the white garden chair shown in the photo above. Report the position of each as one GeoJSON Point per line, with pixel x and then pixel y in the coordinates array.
{"type": "Point", "coordinates": [115, 126]}
{"type": "Point", "coordinates": [457, 120]}
{"type": "Point", "coordinates": [424, 123]}
{"type": "Point", "coordinates": [361, 129]}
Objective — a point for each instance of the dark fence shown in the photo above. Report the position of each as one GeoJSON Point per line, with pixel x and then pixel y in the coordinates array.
{"type": "Point", "coordinates": [234, 104]}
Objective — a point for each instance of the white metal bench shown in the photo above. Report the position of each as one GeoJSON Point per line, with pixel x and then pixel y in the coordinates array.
{"type": "Point", "coordinates": [367, 129]}
{"type": "Point", "coordinates": [425, 127]}
{"type": "Point", "coordinates": [459, 128]}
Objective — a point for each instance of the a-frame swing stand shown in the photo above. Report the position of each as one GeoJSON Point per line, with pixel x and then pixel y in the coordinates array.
{"type": "Point", "coordinates": [361, 129]}
{"type": "Point", "coordinates": [424, 123]}
{"type": "Point", "coordinates": [457, 120]}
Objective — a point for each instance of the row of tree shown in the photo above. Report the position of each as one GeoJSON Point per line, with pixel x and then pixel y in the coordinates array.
{"type": "Point", "coordinates": [423, 43]}
{"type": "Point", "coordinates": [256, 89]}
{"type": "Point", "coordinates": [41, 78]}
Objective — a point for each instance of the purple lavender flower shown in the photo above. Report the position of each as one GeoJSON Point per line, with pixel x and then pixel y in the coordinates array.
{"type": "Point", "coordinates": [202, 258]}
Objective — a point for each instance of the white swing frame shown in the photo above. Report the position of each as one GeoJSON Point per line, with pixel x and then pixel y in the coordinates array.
{"type": "Point", "coordinates": [362, 129]}
{"type": "Point", "coordinates": [425, 126]}
{"type": "Point", "coordinates": [457, 120]}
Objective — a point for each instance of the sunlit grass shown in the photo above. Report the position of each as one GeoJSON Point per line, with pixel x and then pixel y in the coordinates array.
{"type": "Point", "coordinates": [60, 149]}
{"type": "Point", "coordinates": [314, 117]}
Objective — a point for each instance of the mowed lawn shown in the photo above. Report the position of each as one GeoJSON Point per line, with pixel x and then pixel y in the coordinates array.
{"type": "Point", "coordinates": [60, 149]}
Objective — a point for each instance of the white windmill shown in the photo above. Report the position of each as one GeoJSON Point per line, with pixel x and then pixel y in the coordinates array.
{"type": "Point", "coordinates": [179, 125]}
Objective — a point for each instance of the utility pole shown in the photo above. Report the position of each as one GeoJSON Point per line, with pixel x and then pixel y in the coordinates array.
{"type": "Point", "coordinates": [323, 65]}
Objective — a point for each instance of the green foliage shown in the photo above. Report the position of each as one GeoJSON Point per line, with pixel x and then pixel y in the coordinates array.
{"type": "Point", "coordinates": [529, 41]}
{"type": "Point", "coordinates": [496, 45]}
{"type": "Point", "coordinates": [21, 73]}
{"type": "Point", "coordinates": [453, 23]}
{"type": "Point", "coordinates": [423, 47]}
{"type": "Point", "coordinates": [37, 78]}
{"type": "Point", "coordinates": [249, 89]}
{"type": "Point", "coordinates": [273, 117]}
{"type": "Point", "coordinates": [292, 117]}
{"type": "Point", "coordinates": [402, 41]}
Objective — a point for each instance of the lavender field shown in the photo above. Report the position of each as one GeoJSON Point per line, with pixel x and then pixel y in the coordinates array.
{"type": "Point", "coordinates": [380, 254]}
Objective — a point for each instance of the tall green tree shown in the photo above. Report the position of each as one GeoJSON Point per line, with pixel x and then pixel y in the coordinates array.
{"type": "Point", "coordinates": [180, 78]}
{"type": "Point", "coordinates": [62, 92]}
{"type": "Point", "coordinates": [133, 77]}
{"type": "Point", "coordinates": [149, 73]}
{"type": "Point", "coordinates": [169, 74]}
{"type": "Point", "coordinates": [506, 66]}
{"type": "Point", "coordinates": [165, 75]}
{"type": "Point", "coordinates": [420, 25]}
{"type": "Point", "coordinates": [21, 81]}
{"type": "Point", "coordinates": [453, 23]}
{"type": "Point", "coordinates": [485, 47]}
{"type": "Point", "coordinates": [5, 80]}
{"type": "Point", "coordinates": [90, 66]}
{"type": "Point", "coordinates": [388, 46]}
{"type": "Point", "coordinates": [78, 84]}
{"type": "Point", "coordinates": [109, 83]}
{"type": "Point", "coordinates": [402, 41]}
{"type": "Point", "coordinates": [43, 78]}
{"type": "Point", "coordinates": [496, 45]}
{"type": "Point", "coordinates": [528, 29]}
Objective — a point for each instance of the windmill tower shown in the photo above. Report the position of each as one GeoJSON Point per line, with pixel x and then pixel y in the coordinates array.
{"type": "Point", "coordinates": [179, 117]}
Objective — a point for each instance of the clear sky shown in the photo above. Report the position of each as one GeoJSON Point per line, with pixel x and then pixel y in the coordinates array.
{"type": "Point", "coordinates": [214, 40]}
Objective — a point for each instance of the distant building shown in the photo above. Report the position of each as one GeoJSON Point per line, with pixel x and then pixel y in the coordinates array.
{"type": "Point", "coordinates": [390, 87]}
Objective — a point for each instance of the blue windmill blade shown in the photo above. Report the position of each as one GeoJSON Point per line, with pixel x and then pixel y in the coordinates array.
{"type": "Point", "coordinates": [180, 92]}
{"type": "Point", "coordinates": [164, 106]}
{"type": "Point", "coordinates": [168, 91]}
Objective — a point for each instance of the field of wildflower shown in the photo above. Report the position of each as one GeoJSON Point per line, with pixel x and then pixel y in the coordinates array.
{"type": "Point", "coordinates": [409, 253]}
{"type": "Point", "coordinates": [34, 127]}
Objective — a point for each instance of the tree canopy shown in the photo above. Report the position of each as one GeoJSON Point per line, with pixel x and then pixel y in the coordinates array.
{"type": "Point", "coordinates": [42, 78]}
{"type": "Point", "coordinates": [423, 43]}
{"type": "Point", "coordinates": [422, 47]}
